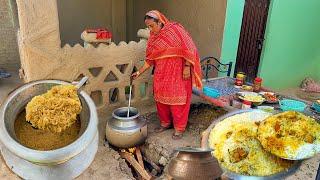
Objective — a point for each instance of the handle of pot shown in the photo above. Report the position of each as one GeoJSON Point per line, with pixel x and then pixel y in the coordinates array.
{"type": "Point", "coordinates": [80, 83]}
{"type": "Point", "coordinates": [204, 139]}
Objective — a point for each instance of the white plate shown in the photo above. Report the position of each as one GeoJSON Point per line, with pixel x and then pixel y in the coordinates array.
{"type": "Point", "coordinates": [242, 95]}
{"type": "Point", "coordinates": [262, 93]}
{"type": "Point", "coordinates": [248, 93]}
{"type": "Point", "coordinates": [266, 108]}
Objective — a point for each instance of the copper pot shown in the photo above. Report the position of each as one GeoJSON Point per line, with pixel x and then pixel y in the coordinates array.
{"type": "Point", "coordinates": [194, 164]}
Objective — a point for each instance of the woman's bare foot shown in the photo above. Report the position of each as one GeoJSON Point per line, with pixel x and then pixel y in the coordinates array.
{"type": "Point", "coordinates": [161, 129]}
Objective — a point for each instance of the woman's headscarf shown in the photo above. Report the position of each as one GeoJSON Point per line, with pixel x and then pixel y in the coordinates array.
{"type": "Point", "coordinates": [173, 41]}
{"type": "Point", "coordinates": [158, 15]}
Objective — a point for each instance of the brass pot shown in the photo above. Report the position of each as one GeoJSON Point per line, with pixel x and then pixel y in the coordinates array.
{"type": "Point", "coordinates": [194, 164]}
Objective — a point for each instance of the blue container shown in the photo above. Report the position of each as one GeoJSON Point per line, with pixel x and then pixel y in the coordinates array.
{"type": "Point", "coordinates": [211, 92]}
{"type": "Point", "coordinates": [316, 106]}
{"type": "Point", "coordinates": [292, 105]}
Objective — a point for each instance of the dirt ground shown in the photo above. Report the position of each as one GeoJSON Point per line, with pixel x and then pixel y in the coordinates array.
{"type": "Point", "coordinates": [159, 147]}
{"type": "Point", "coordinates": [201, 116]}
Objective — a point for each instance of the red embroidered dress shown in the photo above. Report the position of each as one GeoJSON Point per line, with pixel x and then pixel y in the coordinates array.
{"type": "Point", "coordinates": [167, 51]}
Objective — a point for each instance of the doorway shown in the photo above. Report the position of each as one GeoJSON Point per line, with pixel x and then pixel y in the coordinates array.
{"type": "Point", "coordinates": [253, 26]}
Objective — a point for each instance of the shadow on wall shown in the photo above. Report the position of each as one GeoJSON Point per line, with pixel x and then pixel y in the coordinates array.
{"type": "Point", "coordinates": [77, 15]}
{"type": "Point", "coordinates": [9, 24]}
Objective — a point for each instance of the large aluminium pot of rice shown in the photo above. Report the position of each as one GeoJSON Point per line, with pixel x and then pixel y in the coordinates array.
{"type": "Point", "coordinates": [254, 115]}
{"type": "Point", "coordinates": [63, 163]}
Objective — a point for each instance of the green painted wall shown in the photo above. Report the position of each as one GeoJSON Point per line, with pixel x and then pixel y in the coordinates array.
{"type": "Point", "coordinates": [317, 68]}
{"type": "Point", "coordinates": [232, 32]}
{"type": "Point", "coordinates": [292, 47]}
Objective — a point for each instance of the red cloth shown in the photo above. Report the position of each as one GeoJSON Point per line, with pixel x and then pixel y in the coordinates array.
{"type": "Point", "coordinates": [178, 114]}
{"type": "Point", "coordinates": [100, 33]}
{"type": "Point", "coordinates": [168, 84]}
{"type": "Point", "coordinates": [168, 51]}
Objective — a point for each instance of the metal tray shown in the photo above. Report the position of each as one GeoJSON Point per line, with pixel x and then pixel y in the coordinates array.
{"type": "Point", "coordinates": [279, 175]}
{"type": "Point", "coordinates": [236, 176]}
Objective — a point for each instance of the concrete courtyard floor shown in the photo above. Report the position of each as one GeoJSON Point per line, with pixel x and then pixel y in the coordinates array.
{"type": "Point", "coordinates": [158, 147]}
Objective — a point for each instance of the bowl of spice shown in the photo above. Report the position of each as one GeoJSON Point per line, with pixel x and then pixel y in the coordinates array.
{"type": "Point", "coordinates": [247, 88]}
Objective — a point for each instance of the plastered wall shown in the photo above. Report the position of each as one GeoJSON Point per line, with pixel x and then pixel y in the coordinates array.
{"type": "Point", "coordinates": [77, 15]}
{"type": "Point", "coordinates": [291, 48]}
{"type": "Point", "coordinates": [203, 19]}
{"type": "Point", "coordinates": [9, 57]}
{"type": "Point", "coordinates": [108, 67]}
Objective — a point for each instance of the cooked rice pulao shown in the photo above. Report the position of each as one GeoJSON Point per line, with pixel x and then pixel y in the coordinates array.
{"type": "Point", "coordinates": [290, 135]}
{"type": "Point", "coordinates": [237, 148]}
{"type": "Point", "coordinates": [56, 110]}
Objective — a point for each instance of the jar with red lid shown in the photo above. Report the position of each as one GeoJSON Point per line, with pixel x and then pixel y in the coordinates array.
{"type": "Point", "coordinates": [239, 79]}
{"type": "Point", "coordinates": [257, 84]}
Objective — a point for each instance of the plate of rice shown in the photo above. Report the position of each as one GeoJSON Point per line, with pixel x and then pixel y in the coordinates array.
{"type": "Point", "coordinates": [290, 135]}
{"type": "Point", "coordinates": [253, 97]}
{"type": "Point", "coordinates": [239, 151]}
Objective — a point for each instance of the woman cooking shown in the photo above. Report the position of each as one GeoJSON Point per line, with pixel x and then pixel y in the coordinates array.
{"type": "Point", "coordinates": [175, 58]}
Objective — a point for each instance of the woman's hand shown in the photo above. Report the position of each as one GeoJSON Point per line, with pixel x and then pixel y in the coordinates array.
{"type": "Point", "coordinates": [135, 75]}
{"type": "Point", "coordinates": [186, 72]}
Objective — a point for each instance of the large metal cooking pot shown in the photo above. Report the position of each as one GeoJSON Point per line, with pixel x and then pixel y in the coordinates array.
{"type": "Point", "coordinates": [126, 132]}
{"type": "Point", "coordinates": [254, 115]}
{"type": "Point", "coordinates": [194, 164]}
{"type": "Point", "coordinates": [63, 163]}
